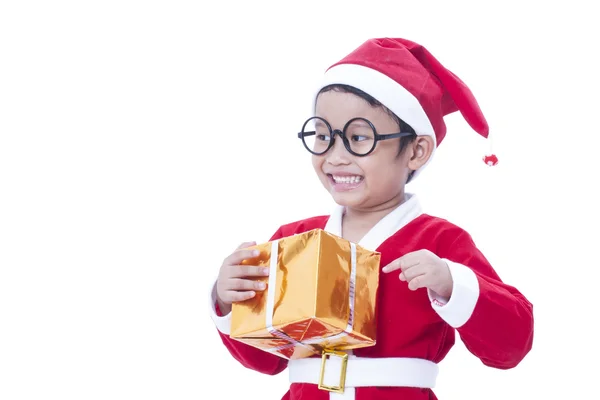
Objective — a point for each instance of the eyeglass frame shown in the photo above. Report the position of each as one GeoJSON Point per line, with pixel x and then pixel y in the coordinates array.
{"type": "Point", "coordinates": [342, 134]}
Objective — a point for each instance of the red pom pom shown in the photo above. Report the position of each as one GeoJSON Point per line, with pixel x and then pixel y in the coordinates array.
{"type": "Point", "coordinates": [490, 160]}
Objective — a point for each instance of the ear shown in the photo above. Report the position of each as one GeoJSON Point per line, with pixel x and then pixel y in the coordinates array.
{"type": "Point", "coordinates": [422, 149]}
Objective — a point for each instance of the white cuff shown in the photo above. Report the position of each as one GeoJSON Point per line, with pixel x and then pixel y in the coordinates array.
{"type": "Point", "coordinates": [223, 324]}
{"type": "Point", "coordinates": [465, 293]}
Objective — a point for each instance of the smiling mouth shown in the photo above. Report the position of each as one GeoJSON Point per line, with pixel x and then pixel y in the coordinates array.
{"type": "Point", "coordinates": [346, 179]}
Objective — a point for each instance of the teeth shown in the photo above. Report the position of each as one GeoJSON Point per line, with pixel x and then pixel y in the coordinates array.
{"type": "Point", "coordinates": [347, 179]}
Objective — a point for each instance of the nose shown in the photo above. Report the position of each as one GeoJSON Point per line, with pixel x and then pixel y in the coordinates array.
{"type": "Point", "coordinates": [337, 154]}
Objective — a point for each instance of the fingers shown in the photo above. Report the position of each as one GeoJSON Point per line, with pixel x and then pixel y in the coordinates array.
{"type": "Point", "coordinates": [245, 245]}
{"type": "Point", "coordinates": [409, 274]}
{"type": "Point", "coordinates": [417, 282]}
{"type": "Point", "coordinates": [421, 269]}
{"type": "Point", "coordinates": [403, 263]}
{"type": "Point", "coordinates": [245, 285]}
{"type": "Point", "coordinates": [235, 290]}
{"type": "Point", "coordinates": [417, 277]}
{"type": "Point", "coordinates": [240, 255]}
{"type": "Point", "coordinates": [235, 283]}
{"type": "Point", "coordinates": [393, 266]}
{"type": "Point", "coordinates": [243, 271]}
{"type": "Point", "coordinates": [237, 297]}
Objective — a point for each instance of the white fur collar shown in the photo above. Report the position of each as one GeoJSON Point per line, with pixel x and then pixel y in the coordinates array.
{"type": "Point", "coordinates": [386, 227]}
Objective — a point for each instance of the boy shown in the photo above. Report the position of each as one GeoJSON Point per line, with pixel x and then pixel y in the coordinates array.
{"type": "Point", "coordinates": [378, 120]}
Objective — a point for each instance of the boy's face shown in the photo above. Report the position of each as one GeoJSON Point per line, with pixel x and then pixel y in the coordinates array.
{"type": "Point", "coordinates": [375, 181]}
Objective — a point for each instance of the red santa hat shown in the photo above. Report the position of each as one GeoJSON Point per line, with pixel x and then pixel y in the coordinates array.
{"type": "Point", "coordinates": [412, 83]}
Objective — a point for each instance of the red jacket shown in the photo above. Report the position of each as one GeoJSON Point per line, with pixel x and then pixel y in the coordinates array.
{"type": "Point", "coordinates": [493, 319]}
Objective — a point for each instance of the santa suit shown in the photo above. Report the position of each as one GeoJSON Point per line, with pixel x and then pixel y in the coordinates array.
{"type": "Point", "coordinates": [416, 329]}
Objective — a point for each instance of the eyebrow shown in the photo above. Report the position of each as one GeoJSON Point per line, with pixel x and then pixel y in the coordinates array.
{"type": "Point", "coordinates": [320, 123]}
{"type": "Point", "coordinates": [361, 123]}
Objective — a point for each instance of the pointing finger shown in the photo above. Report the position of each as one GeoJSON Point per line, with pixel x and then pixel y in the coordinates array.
{"type": "Point", "coordinates": [409, 260]}
{"type": "Point", "coordinates": [393, 266]}
{"type": "Point", "coordinates": [403, 263]}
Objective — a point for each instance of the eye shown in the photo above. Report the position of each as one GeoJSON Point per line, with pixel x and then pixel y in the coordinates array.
{"type": "Point", "coordinates": [359, 138]}
{"type": "Point", "coordinates": [323, 137]}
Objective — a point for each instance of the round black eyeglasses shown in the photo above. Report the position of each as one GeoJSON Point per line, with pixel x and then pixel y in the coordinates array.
{"type": "Point", "coordinates": [359, 136]}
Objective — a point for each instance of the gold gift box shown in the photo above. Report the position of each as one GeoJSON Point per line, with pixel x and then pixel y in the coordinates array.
{"type": "Point", "coordinates": [321, 295]}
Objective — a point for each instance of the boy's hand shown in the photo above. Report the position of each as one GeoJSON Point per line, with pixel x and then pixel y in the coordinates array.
{"type": "Point", "coordinates": [423, 269]}
{"type": "Point", "coordinates": [232, 283]}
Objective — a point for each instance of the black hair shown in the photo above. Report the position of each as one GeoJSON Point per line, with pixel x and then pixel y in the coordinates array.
{"type": "Point", "coordinates": [373, 102]}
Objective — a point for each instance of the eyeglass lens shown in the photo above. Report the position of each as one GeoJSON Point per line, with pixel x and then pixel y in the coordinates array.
{"type": "Point", "coordinates": [359, 133]}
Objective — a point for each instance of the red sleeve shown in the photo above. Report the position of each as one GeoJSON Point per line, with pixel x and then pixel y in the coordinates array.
{"type": "Point", "coordinates": [251, 357]}
{"type": "Point", "coordinates": [499, 329]}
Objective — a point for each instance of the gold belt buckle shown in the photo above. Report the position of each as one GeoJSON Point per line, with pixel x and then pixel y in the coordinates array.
{"type": "Point", "coordinates": [342, 382]}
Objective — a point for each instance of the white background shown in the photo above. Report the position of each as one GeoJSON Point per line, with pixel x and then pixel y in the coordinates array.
{"type": "Point", "coordinates": [141, 142]}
